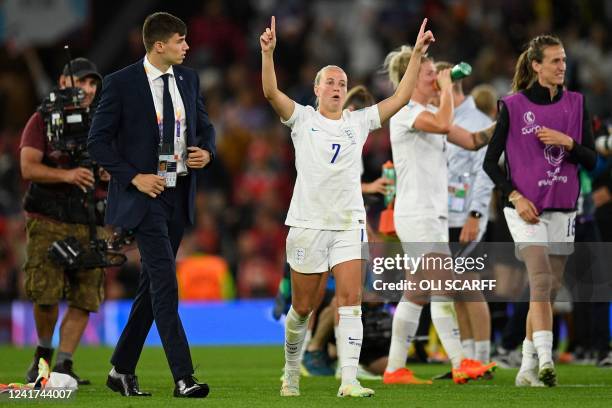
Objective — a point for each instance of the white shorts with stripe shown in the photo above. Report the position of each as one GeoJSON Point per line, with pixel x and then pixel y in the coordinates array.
{"type": "Point", "coordinates": [318, 251]}
{"type": "Point", "coordinates": [555, 231]}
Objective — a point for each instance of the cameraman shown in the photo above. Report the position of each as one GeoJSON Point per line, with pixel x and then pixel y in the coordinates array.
{"type": "Point", "coordinates": [55, 209]}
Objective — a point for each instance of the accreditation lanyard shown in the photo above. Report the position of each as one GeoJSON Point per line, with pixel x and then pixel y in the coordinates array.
{"type": "Point", "coordinates": [457, 193]}
{"type": "Point", "coordinates": [167, 159]}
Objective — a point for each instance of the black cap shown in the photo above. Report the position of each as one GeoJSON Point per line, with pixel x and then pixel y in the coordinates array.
{"type": "Point", "coordinates": [82, 67]}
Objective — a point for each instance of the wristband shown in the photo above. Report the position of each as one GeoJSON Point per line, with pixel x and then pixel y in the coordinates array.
{"type": "Point", "coordinates": [516, 197]}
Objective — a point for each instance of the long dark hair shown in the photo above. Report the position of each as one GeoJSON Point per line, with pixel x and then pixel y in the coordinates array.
{"type": "Point", "coordinates": [524, 75]}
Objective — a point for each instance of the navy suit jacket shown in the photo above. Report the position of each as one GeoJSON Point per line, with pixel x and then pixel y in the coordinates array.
{"type": "Point", "coordinates": [124, 137]}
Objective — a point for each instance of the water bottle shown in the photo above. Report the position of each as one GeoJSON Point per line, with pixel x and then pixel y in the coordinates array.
{"type": "Point", "coordinates": [386, 225]}
{"type": "Point", "coordinates": [460, 71]}
{"type": "Point", "coordinates": [388, 172]}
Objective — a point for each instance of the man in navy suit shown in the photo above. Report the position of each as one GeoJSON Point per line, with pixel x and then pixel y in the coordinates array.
{"type": "Point", "coordinates": [151, 132]}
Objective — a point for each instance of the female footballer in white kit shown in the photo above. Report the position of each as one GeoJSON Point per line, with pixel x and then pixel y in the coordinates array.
{"type": "Point", "coordinates": [419, 135]}
{"type": "Point", "coordinates": [326, 214]}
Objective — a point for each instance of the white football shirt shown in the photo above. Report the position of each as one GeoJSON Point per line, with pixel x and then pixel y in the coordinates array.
{"type": "Point", "coordinates": [327, 192]}
{"type": "Point", "coordinates": [420, 165]}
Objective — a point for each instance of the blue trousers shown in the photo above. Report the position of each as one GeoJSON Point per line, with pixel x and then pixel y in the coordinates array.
{"type": "Point", "coordinates": [158, 237]}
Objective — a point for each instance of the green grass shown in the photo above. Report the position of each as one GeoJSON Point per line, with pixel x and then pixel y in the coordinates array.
{"type": "Point", "coordinates": [249, 376]}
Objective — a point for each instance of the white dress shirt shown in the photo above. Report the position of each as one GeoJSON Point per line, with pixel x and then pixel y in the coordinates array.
{"type": "Point", "coordinates": [156, 83]}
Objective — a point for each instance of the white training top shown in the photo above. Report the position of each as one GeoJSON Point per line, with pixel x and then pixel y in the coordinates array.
{"type": "Point", "coordinates": [420, 165]}
{"type": "Point", "coordinates": [465, 166]}
{"type": "Point", "coordinates": [327, 192]}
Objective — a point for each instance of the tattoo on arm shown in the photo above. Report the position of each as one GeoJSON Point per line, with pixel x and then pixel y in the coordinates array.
{"type": "Point", "coordinates": [483, 137]}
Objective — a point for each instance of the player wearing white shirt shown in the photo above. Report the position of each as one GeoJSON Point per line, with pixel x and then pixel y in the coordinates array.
{"type": "Point", "coordinates": [418, 142]}
{"type": "Point", "coordinates": [328, 164]}
{"type": "Point", "coordinates": [469, 195]}
{"type": "Point", "coordinates": [418, 152]}
{"type": "Point", "coordinates": [327, 212]}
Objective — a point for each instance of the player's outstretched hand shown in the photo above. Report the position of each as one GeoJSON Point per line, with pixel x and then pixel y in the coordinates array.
{"type": "Point", "coordinates": [267, 40]}
{"type": "Point", "coordinates": [424, 38]}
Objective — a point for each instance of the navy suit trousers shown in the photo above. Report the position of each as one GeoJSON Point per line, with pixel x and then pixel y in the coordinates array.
{"type": "Point", "coordinates": [158, 237]}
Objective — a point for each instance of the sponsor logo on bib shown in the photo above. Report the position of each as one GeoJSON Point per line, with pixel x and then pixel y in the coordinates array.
{"type": "Point", "coordinates": [554, 155]}
{"type": "Point", "coordinates": [530, 125]}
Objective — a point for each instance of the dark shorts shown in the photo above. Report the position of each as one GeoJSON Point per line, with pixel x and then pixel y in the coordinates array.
{"type": "Point", "coordinates": [377, 326]}
{"type": "Point", "coordinates": [46, 283]}
{"type": "Point", "coordinates": [372, 352]}
{"type": "Point", "coordinates": [473, 249]}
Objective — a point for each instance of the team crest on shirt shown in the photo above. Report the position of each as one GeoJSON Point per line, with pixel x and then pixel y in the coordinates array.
{"type": "Point", "coordinates": [350, 134]}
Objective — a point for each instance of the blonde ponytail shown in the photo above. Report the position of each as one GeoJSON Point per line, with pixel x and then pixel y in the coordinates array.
{"type": "Point", "coordinates": [396, 63]}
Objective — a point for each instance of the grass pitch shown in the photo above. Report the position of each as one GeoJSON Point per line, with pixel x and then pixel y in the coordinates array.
{"type": "Point", "coordinates": [249, 377]}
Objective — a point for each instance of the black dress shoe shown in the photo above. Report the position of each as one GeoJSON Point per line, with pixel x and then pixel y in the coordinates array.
{"type": "Point", "coordinates": [66, 368]}
{"type": "Point", "coordinates": [125, 384]}
{"type": "Point", "coordinates": [41, 352]}
{"type": "Point", "coordinates": [189, 388]}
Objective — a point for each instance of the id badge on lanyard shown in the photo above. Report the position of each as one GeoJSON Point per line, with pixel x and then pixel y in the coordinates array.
{"type": "Point", "coordinates": [167, 164]}
{"type": "Point", "coordinates": [457, 191]}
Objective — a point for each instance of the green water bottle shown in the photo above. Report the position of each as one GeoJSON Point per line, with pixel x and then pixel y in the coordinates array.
{"type": "Point", "coordinates": [388, 172]}
{"type": "Point", "coordinates": [460, 71]}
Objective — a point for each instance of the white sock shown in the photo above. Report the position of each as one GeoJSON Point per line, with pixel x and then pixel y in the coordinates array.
{"type": "Point", "coordinates": [543, 342]}
{"type": "Point", "coordinates": [350, 336]}
{"type": "Point", "coordinates": [405, 325]}
{"type": "Point", "coordinates": [444, 319]}
{"type": "Point", "coordinates": [468, 348]}
{"type": "Point", "coordinates": [530, 356]}
{"type": "Point", "coordinates": [295, 331]}
{"type": "Point", "coordinates": [482, 351]}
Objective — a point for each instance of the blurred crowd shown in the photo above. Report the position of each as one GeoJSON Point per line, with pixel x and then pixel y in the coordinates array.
{"type": "Point", "coordinates": [245, 193]}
